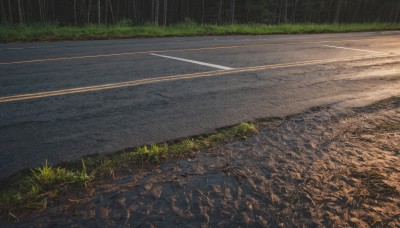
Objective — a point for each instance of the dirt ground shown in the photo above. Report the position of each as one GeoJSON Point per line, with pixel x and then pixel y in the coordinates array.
{"type": "Point", "coordinates": [324, 167]}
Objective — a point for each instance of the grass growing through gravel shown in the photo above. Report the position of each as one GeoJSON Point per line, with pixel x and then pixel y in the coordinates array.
{"type": "Point", "coordinates": [32, 190]}
{"type": "Point", "coordinates": [51, 32]}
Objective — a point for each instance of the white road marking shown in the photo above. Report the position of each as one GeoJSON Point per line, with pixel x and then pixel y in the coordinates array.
{"type": "Point", "coordinates": [137, 82]}
{"type": "Point", "coordinates": [24, 48]}
{"type": "Point", "coordinates": [195, 62]}
{"type": "Point", "coordinates": [39, 47]}
{"type": "Point", "coordinates": [354, 49]}
{"type": "Point", "coordinates": [184, 49]}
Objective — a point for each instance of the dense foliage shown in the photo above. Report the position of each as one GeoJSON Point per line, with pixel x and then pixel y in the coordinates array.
{"type": "Point", "coordinates": [79, 12]}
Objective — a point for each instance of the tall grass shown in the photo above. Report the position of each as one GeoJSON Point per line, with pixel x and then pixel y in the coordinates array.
{"type": "Point", "coordinates": [52, 32]}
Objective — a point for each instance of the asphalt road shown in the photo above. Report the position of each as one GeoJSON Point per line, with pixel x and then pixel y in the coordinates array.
{"type": "Point", "coordinates": [63, 100]}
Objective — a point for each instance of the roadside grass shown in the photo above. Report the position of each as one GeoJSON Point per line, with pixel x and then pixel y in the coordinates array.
{"type": "Point", "coordinates": [52, 32]}
{"type": "Point", "coordinates": [33, 189]}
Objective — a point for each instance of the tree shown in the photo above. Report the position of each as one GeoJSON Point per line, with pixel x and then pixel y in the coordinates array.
{"type": "Point", "coordinates": [106, 12]}
{"type": "Point", "coordinates": [20, 12]}
{"type": "Point", "coordinates": [77, 12]}
{"type": "Point", "coordinates": [41, 10]}
{"type": "Point", "coordinates": [111, 11]}
{"type": "Point", "coordinates": [156, 11]}
{"type": "Point", "coordinates": [397, 14]}
{"type": "Point", "coordinates": [338, 12]}
{"type": "Point", "coordinates": [306, 13]}
{"type": "Point", "coordinates": [10, 12]}
{"type": "Point", "coordinates": [233, 12]}
{"type": "Point", "coordinates": [220, 11]}
{"type": "Point", "coordinates": [202, 12]}
{"type": "Point", "coordinates": [98, 12]}
{"type": "Point", "coordinates": [285, 14]}
{"type": "Point", "coordinates": [3, 13]}
{"type": "Point", "coordinates": [75, 19]}
{"type": "Point", "coordinates": [88, 11]}
{"type": "Point", "coordinates": [165, 12]}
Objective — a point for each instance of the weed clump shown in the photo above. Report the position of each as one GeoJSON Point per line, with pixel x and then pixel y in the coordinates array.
{"type": "Point", "coordinates": [244, 130]}
{"type": "Point", "coordinates": [151, 154]}
{"type": "Point", "coordinates": [48, 177]}
{"type": "Point", "coordinates": [33, 191]}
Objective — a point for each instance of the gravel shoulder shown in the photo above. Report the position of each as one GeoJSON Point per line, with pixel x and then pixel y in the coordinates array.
{"type": "Point", "coordinates": [325, 167]}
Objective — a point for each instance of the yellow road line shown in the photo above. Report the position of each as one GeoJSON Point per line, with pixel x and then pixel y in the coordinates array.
{"type": "Point", "coordinates": [179, 50]}
{"type": "Point", "coordinates": [178, 77]}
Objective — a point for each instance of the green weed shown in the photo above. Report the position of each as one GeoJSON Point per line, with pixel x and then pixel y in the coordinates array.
{"type": "Point", "coordinates": [151, 154]}
{"type": "Point", "coordinates": [244, 130]}
{"type": "Point", "coordinates": [42, 183]}
{"type": "Point", "coordinates": [48, 177]}
{"type": "Point", "coordinates": [184, 146]}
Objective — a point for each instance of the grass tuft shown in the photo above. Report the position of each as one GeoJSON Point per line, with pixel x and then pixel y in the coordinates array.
{"type": "Point", "coordinates": [48, 177]}
{"type": "Point", "coordinates": [244, 130]}
{"type": "Point", "coordinates": [184, 146]}
{"type": "Point", "coordinates": [33, 191]}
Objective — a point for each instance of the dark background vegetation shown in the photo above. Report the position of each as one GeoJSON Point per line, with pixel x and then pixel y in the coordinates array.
{"type": "Point", "coordinates": [165, 12]}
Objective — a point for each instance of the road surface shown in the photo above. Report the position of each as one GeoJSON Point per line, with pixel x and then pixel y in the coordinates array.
{"type": "Point", "coordinates": [62, 100]}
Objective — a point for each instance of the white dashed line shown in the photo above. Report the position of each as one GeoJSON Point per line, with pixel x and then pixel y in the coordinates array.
{"type": "Point", "coordinates": [24, 48]}
{"type": "Point", "coordinates": [41, 47]}
{"type": "Point", "coordinates": [195, 62]}
{"type": "Point", "coordinates": [354, 49]}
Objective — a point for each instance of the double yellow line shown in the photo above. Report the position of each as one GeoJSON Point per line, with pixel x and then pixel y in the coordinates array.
{"type": "Point", "coordinates": [178, 77]}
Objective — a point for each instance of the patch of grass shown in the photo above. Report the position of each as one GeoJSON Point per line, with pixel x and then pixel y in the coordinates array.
{"type": "Point", "coordinates": [152, 153]}
{"type": "Point", "coordinates": [244, 130]}
{"type": "Point", "coordinates": [124, 29]}
{"type": "Point", "coordinates": [32, 191]}
{"type": "Point", "coordinates": [47, 177]}
{"type": "Point", "coordinates": [184, 146]}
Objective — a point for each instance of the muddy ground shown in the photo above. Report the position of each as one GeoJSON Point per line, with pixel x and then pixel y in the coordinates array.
{"type": "Point", "coordinates": [325, 167]}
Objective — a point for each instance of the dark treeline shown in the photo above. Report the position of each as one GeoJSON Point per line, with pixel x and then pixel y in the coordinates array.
{"type": "Point", "coordinates": [164, 12]}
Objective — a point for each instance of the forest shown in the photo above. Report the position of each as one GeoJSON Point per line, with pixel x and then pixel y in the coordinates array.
{"type": "Point", "coordinates": [220, 12]}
